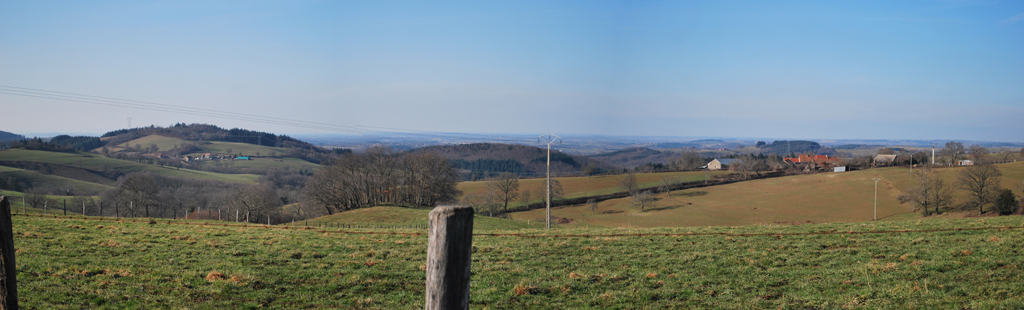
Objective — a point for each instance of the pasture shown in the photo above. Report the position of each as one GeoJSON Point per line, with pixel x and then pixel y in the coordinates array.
{"type": "Point", "coordinates": [162, 143]}
{"type": "Point", "coordinates": [406, 216]}
{"type": "Point", "coordinates": [243, 149]}
{"type": "Point", "coordinates": [293, 164]}
{"type": "Point", "coordinates": [98, 162]}
{"type": "Point", "coordinates": [167, 143]}
{"type": "Point", "coordinates": [815, 198]}
{"type": "Point", "coordinates": [36, 178]}
{"type": "Point", "coordinates": [77, 263]}
{"type": "Point", "coordinates": [588, 186]}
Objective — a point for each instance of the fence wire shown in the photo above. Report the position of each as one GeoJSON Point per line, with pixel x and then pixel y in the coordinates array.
{"type": "Point", "coordinates": [522, 235]}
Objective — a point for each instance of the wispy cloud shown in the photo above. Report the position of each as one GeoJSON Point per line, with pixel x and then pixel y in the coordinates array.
{"type": "Point", "coordinates": [1012, 20]}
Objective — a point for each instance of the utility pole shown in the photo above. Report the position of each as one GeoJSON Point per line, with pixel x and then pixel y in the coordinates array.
{"type": "Point", "coordinates": [549, 138]}
{"type": "Point", "coordinates": [876, 198]}
{"type": "Point", "coordinates": [933, 154]}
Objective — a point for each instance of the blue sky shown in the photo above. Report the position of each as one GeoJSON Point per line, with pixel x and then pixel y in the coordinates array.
{"type": "Point", "coordinates": [803, 70]}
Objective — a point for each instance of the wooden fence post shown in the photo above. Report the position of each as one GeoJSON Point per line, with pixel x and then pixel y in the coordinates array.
{"type": "Point", "coordinates": [9, 273]}
{"type": "Point", "coordinates": [449, 251]}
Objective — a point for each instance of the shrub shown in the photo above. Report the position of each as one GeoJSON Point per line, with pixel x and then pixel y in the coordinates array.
{"type": "Point", "coordinates": [1006, 202]}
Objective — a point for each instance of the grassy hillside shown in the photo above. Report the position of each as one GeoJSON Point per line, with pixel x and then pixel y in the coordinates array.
{"type": "Point", "coordinates": [100, 163]}
{"type": "Point", "coordinates": [163, 143]}
{"type": "Point", "coordinates": [401, 216]}
{"type": "Point", "coordinates": [33, 178]}
{"type": "Point", "coordinates": [482, 160]}
{"type": "Point", "coordinates": [816, 198]}
{"type": "Point", "coordinates": [244, 149]}
{"type": "Point", "coordinates": [293, 164]}
{"type": "Point", "coordinates": [98, 264]}
{"type": "Point", "coordinates": [221, 147]}
{"type": "Point", "coordinates": [636, 156]}
{"type": "Point", "coordinates": [588, 186]}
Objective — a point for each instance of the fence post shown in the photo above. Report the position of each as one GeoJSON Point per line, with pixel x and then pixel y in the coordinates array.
{"type": "Point", "coordinates": [9, 273]}
{"type": "Point", "coordinates": [449, 253]}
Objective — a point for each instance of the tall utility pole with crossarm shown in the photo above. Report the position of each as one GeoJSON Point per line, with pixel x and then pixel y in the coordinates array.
{"type": "Point", "coordinates": [549, 138]}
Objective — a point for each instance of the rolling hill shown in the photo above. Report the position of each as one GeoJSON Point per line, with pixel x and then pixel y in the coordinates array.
{"type": "Point", "coordinates": [37, 179]}
{"type": "Point", "coordinates": [5, 136]}
{"type": "Point", "coordinates": [632, 157]}
{"type": "Point", "coordinates": [588, 186]}
{"type": "Point", "coordinates": [115, 167]}
{"type": "Point", "coordinates": [801, 199]}
{"type": "Point", "coordinates": [483, 160]}
{"type": "Point", "coordinates": [168, 144]}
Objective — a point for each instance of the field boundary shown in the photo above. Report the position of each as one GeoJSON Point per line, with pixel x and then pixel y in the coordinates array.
{"type": "Point", "coordinates": [521, 235]}
{"type": "Point", "coordinates": [721, 180]}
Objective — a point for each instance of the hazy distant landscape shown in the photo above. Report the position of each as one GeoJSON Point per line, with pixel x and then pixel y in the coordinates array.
{"type": "Point", "coordinates": [511, 155]}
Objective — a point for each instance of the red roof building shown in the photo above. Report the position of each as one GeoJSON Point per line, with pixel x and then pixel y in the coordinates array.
{"type": "Point", "coordinates": [817, 159]}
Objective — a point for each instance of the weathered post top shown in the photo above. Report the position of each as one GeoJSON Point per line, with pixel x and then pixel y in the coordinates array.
{"type": "Point", "coordinates": [449, 257]}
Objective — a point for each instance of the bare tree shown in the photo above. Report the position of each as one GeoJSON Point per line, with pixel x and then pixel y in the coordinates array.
{"type": "Point", "coordinates": [643, 199]}
{"type": "Point", "coordinates": [982, 182]}
{"type": "Point", "coordinates": [35, 199]}
{"type": "Point", "coordinates": [666, 185]}
{"type": "Point", "coordinates": [930, 191]}
{"type": "Point", "coordinates": [952, 150]}
{"type": "Point", "coordinates": [757, 165]}
{"type": "Point", "coordinates": [556, 189]}
{"type": "Point", "coordinates": [629, 183]}
{"type": "Point", "coordinates": [506, 187]}
{"type": "Point", "coordinates": [979, 154]}
{"type": "Point", "coordinates": [80, 203]}
{"type": "Point", "coordinates": [688, 160]}
{"type": "Point", "coordinates": [481, 202]}
{"type": "Point", "coordinates": [593, 205]}
{"type": "Point", "coordinates": [525, 196]}
{"type": "Point", "coordinates": [382, 175]}
{"type": "Point", "coordinates": [140, 191]}
{"type": "Point", "coordinates": [257, 201]}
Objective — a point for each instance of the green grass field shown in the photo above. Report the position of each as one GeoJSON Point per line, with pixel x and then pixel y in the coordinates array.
{"type": "Point", "coordinates": [163, 143]}
{"type": "Point", "coordinates": [293, 164]}
{"type": "Point", "coordinates": [40, 179]}
{"type": "Point", "coordinates": [243, 148]}
{"type": "Point", "coordinates": [815, 198]}
{"type": "Point", "coordinates": [100, 163]}
{"type": "Point", "coordinates": [588, 186]}
{"type": "Point", "coordinates": [75, 264]}
{"type": "Point", "coordinates": [404, 216]}
{"type": "Point", "coordinates": [167, 143]}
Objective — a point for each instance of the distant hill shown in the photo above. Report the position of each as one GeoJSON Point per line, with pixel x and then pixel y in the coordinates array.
{"type": "Point", "coordinates": [784, 147]}
{"type": "Point", "coordinates": [710, 144]}
{"type": "Point", "coordinates": [632, 157]}
{"type": "Point", "coordinates": [5, 136]}
{"type": "Point", "coordinates": [484, 160]}
{"type": "Point", "coordinates": [205, 132]}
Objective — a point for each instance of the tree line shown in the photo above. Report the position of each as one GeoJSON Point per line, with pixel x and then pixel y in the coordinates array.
{"type": "Point", "coordinates": [382, 175]}
{"type": "Point", "coordinates": [981, 180]}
